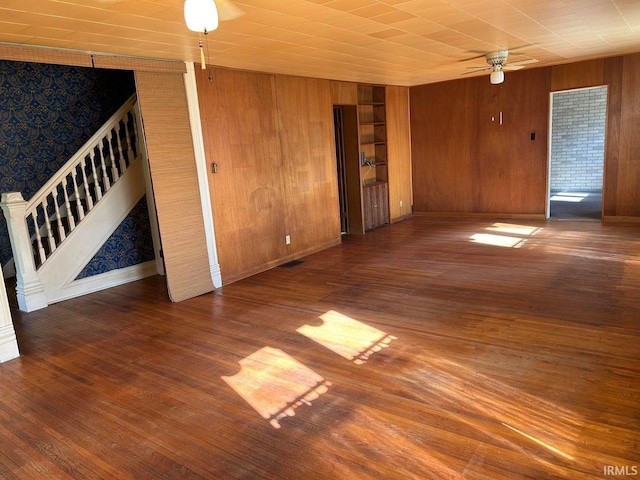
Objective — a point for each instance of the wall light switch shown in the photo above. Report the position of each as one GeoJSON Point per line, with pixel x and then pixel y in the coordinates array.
{"type": "Point", "coordinates": [287, 239]}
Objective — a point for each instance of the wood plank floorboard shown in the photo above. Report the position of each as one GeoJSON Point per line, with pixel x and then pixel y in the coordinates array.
{"type": "Point", "coordinates": [433, 348]}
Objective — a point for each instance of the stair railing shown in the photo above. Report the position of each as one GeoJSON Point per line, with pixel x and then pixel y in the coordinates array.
{"type": "Point", "coordinates": [39, 226]}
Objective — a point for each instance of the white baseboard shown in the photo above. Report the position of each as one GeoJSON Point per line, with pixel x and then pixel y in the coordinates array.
{"type": "Point", "coordinates": [103, 281]}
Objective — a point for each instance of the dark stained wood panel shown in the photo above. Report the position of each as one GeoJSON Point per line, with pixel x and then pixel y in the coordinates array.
{"type": "Point", "coordinates": [442, 117]}
{"type": "Point", "coordinates": [511, 167]}
{"type": "Point", "coordinates": [398, 152]}
{"type": "Point", "coordinates": [578, 75]}
{"type": "Point", "coordinates": [309, 171]}
{"type": "Point", "coordinates": [613, 80]}
{"type": "Point", "coordinates": [241, 136]}
{"type": "Point", "coordinates": [458, 159]}
{"type": "Point", "coordinates": [498, 363]}
{"type": "Point", "coordinates": [169, 145]}
{"type": "Point", "coordinates": [628, 182]}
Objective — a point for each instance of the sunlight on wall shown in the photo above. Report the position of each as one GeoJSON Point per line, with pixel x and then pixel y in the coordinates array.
{"type": "Point", "coordinates": [347, 337]}
{"type": "Point", "coordinates": [275, 384]}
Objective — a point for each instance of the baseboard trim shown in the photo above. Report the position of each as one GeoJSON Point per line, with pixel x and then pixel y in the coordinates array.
{"type": "Point", "coordinates": [620, 219]}
{"type": "Point", "coordinates": [269, 265]}
{"type": "Point", "coordinates": [400, 219]}
{"type": "Point", "coordinates": [522, 216]}
{"type": "Point", "coordinates": [103, 281]}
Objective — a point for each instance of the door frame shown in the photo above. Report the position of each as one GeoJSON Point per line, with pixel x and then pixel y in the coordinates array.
{"type": "Point", "coordinates": [550, 140]}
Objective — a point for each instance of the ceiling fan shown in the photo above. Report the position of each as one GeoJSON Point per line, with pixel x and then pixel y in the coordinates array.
{"type": "Point", "coordinates": [497, 63]}
{"type": "Point", "coordinates": [202, 16]}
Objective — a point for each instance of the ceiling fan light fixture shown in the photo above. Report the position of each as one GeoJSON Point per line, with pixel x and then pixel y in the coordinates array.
{"type": "Point", "coordinates": [201, 15]}
{"type": "Point", "coordinates": [497, 76]}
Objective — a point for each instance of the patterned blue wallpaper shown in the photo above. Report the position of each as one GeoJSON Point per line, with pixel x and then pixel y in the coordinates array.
{"type": "Point", "coordinates": [46, 113]}
{"type": "Point", "coordinates": [130, 244]}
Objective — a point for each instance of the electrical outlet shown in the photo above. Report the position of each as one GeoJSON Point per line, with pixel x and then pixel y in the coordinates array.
{"type": "Point", "coordinates": [287, 239]}
{"type": "Point", "coordinates": [400, 203]}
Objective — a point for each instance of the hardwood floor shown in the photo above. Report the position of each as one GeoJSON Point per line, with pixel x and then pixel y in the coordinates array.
{"type": "Point", "coordinates": [433, 348]}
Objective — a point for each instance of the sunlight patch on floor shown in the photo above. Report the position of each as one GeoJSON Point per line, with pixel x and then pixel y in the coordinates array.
{"type": "Point", "coordinates": [497, 240]}
{"type": "Point", "coordinates": [275, 384]}
{"type": "Point", "coordinates": [349, 338]}
{"type": "Point", "coordinates": [572, 197]}
{"type": "Point", "coordinates": [539, 442]}
{"type": "Point", "coordinates": [508, 239]}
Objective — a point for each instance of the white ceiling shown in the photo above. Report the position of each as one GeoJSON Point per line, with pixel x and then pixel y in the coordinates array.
{"type": "Point", "coordinates": [398, 42]}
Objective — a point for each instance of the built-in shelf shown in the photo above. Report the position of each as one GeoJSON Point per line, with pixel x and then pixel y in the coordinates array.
{"type": "Point", "coordinates": [372, 128]}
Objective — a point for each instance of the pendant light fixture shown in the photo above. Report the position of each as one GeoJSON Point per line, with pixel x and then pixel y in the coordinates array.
{"type": "Point", "coordinates": [201, 16]}
{"type": "Point", "coordinates": [497, 75]}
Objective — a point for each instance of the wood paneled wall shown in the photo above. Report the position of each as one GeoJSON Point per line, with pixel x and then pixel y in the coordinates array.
{"type": "Point", "coordinates": [271, 138]}
{"type": "Point", "coordinates": [621, 194]}
{"type": "Point", "coordinates": [471, 145]}
{"type": "Point", "coordinates": [464, 162]}
{"type": "Point", "coordinates": [398, 152]}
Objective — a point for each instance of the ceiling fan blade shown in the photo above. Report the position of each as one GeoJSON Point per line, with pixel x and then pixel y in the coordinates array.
{"type": "Point", "coordinates": [522, 62]}
{"type": "Point", "coordinates": [472, 58]}
{"type": "Point", "coordinates": [475, 71]}
{"type": "Point", "coordinates": [227, 10]}
{"type": "Point", "coordinates": [488, 67]}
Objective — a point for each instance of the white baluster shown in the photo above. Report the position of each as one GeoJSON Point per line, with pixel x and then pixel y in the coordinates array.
{"type": "Point", "coordinates": [47, 225]}
{"type": "Point", "coordinates": [76, 193]}
{"type": "Point", "coordinates": [61, 233]}
{"type": "Point", "coordinates": [85, 185]}
{"type": "Point", "coordinates": [130, 155]}
{"type": "Point", "coordinates": [42, 255]}
{"type": "Point", "coordinates": [103, 167]}
{"type": "Point", "coordinates": [96, 183]}
{"type": "Point", "coordinates": [136, 138]}
{"type": "Point", "coordinates": [67, 204]}
{"type": "Point", "coordinates": [123, 162]}
{"type": "Point", "coordinates": [114, 167]}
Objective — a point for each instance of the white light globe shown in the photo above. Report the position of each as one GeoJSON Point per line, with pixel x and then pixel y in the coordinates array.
{"type": "Point", "coordinates": [496, 77]}
{"type": "Point", "coordinates": [201, 15]}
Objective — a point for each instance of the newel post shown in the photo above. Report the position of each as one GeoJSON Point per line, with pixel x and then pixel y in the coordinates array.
{"type": "Point", "coordinates": [29, 289]}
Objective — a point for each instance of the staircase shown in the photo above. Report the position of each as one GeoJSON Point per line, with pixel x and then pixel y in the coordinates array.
{"type": "Point", "coordinates": [56, 233]}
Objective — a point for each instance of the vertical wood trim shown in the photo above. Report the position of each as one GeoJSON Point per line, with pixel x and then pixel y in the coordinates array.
{"type": "Point", "coordinates": [628, 181]}
{"type": "Point", "coordinates": [613, 78]}
{"type": "Point", "coordinates": [202, 167]}
{"type": "Point", "coordinates": [165, 116]}
{"type": "Point", "coordinates": [399, 152]}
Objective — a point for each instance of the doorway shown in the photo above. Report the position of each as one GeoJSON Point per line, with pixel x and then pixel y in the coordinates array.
{"type": "Point", "coordinates": [345, 119]}
{"type": "Point", "coordinates": [576, 154]}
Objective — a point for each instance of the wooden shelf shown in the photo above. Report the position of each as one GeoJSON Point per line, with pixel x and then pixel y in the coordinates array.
{"type": "Point", "coordinates": [372, 127]}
